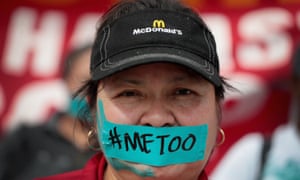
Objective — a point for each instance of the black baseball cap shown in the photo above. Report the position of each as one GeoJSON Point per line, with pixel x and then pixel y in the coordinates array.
{"type": "Point", "coordinates": [156, 36]}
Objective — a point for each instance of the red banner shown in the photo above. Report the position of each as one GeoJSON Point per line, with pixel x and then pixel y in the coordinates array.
{"type": "Point", "coordinates": [255, 41]}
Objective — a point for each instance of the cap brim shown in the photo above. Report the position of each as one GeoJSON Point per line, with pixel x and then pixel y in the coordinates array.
{"type": "Point", "coordinates": [147, 55]}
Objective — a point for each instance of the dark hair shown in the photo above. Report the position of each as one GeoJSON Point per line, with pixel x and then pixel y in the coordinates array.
{"type": "Point", "coordinates": [126, 7]}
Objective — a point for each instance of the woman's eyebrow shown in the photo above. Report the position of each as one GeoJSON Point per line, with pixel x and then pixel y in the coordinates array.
{"type": "Point", "coordinates": [121, 80]}
{"type": "Point", "coordinates": [184, 78]}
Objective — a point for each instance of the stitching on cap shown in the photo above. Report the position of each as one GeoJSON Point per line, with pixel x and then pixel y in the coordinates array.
{"type": "Point", "coordinates": [209, 50]}
{"type": "Point", "coordinates": [212, 47]}
{"type": "Point", "coordinates": [103, 44]}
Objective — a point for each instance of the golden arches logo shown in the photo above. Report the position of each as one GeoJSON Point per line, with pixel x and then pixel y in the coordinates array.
{"type": "Point", "coordinates": [158, 23]}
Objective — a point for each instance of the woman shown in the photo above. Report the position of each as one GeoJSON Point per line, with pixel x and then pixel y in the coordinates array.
{"type": "Point", "coordinates": [156, 94]}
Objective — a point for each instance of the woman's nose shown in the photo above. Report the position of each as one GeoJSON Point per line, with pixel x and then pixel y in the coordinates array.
{"type": "Point", "coordinates": [157, 114]}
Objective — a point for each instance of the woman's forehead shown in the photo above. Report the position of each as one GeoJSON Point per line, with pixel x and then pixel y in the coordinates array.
{"type": "Point", "coordinates": [157, 70]}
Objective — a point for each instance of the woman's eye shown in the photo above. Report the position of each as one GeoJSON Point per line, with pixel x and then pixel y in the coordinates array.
{"type": "Point", "coordinates": [128, 93]}
{"type": "Point", "coordinates": [183, 92]}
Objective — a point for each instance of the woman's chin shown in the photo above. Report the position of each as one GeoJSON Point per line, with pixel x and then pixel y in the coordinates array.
{"type": "Point", "coordinates": [177, 171]}
{"type": "Point", "coordinates": [160, 172]}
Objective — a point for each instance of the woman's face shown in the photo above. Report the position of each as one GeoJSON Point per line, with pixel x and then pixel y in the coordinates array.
{"type": "Point", "coordinates": [160, 94]}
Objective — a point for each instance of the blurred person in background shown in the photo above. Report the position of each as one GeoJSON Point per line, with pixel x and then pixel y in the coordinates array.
{"type": "Point", "coordinates": [60, 144]}
{"type": "Point", "coordinates": [268, 157]}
